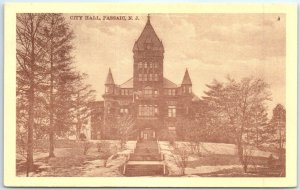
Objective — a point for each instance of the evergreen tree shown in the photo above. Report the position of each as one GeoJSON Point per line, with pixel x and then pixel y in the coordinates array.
{"type": "Point", "coordinates": [29, 55]}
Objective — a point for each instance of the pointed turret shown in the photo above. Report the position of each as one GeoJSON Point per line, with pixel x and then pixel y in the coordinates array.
{"type": "Point", "coordinates": [186, 79]}
{"type": "Point", "coordinates": [186, 84]}
{"type": "Point", "coordinates": [109, 83]}
{"type": "Point", "coordinates": [109, 78]}
{"type": "Point", "coordinates": [148, 39]}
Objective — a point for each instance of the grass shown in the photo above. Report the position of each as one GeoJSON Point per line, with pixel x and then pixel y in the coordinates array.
{"type": "Point", "coordinates": [223, 159]}
{"type": "Point", "coordinates": [69, 160]}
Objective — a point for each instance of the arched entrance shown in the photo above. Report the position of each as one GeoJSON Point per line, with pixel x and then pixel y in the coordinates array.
{"type": "Point", "coordinates": [147, 134]}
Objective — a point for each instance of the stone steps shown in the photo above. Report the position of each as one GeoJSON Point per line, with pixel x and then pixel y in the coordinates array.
{"type": "Point", "coordinates": [143, 157]}
{"type": "Point", "coordinates": [144, 170]}
{"type": "Point", "coordinates": [145, 161]}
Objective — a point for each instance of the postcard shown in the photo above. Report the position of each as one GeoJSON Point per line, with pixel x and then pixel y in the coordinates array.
{"type": "Point", "coordinates": [150, 95]}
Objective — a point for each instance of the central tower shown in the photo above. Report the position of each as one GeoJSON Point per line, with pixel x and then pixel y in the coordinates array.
{"type": "Point", "coordinates": [148, 55]}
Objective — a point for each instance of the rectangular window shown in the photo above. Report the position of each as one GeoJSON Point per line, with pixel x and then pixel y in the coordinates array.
{"type": "Point", "coordinates": [155, 77]}
{"type": "Point", "coordinates": [173, 92]}
{"type": "Point", "coordinates": [155, 109]}
{"type": "Point", "coordinates": [145, 65]}
{"type": "Point", "coordinates": [155, 65]}
{"type": "Point", "coordinates": [140, 109]}
{"type": "Point", "coordinates": [145, 77]}
{"type": "Point", "coordinates": [171, 111]}
{"type": "Point", "coordinates": [140, 66]}
{"type": "Point", "coordinates": [140, 77]}
{"type": "Point", "coordinates": [148, 110]}
{"type": "Point", "coordinates": [124, 110]}
{"type": "Point", "coordinates": [130, 91]}
{"type": "Point", "coordinates": [150, 77]}
{"type": "Point", "coordinates": [122, 91]}
{"type": "Point", "coordinates": [148, 91]}
{"type": "Point", "coordinates": [150, 65]}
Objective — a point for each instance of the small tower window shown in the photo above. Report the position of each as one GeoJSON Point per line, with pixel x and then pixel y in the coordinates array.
{"type": "Point", "coordinates": [190, 89]}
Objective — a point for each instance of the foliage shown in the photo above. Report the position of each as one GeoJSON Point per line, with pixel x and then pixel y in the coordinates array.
{"type": "Point", "coordinates": [240, 106]}
{"type": "Point", "coordinates": [123, 127]}
{"type": "Point", "coordinates": [86, 146]}
{"type": "Point", "coordinates": [180, 156]}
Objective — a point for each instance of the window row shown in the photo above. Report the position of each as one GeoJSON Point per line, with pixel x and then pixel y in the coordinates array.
{"type": "Point", "coordinates": [124, 110]}
{"type": "Point", "coordinates": [170, 92]}
{"type": "Point", "coordinates": [148, 77]}
{"type": "Point", "coordinates": [187, 89]}
{"type": "Point", "coordinates": [126, 91]}
{"type": "Point", "coordinates": [147, 65]}
{"type": "Point", "coordinates": [150, 92]}
{"type": "Point", "coordinates": [148, 110]}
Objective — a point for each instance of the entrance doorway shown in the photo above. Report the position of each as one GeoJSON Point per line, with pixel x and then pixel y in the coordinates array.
{"type": "Point", "coordinates": [147, 134]}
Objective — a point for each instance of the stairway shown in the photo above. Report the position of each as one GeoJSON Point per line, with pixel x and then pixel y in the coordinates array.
{"type": "Point", "coordinates": [145, 161]}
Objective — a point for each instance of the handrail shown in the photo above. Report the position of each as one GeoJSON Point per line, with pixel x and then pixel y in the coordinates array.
{"type": "Point", "coordinates": [158, 145]}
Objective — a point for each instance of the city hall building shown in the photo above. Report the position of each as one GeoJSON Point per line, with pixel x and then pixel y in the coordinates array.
{"type": "Point", "coordinates": [155, 102]}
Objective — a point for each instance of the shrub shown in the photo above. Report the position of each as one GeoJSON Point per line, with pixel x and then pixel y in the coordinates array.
{"type": "Point", "coordinates": [86, 146]}
{"type": "Point", "coordinates": [82, 137]}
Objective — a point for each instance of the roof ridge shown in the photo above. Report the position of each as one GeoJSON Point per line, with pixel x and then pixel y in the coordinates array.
{"type": "Point", "coordinates": [126, 81]}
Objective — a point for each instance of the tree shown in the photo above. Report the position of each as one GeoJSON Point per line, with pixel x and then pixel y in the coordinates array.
{"type": "Point", "coordinates": [278, 129]}
{"type": "Point", "coordinates": [235, 103]}
{"type": "Point", "coordinates": [57, 39]}
{"type": "Point", "coordinates": [256, 131]}
{"type": "Point", "coordinates": [180, 157]}
{"type": "Point", "coordinates": [83, 97]}
{"type": "Point", "coordinates": [125, 128]}
{"type": "Point", "coordinates": [29, 55]}
{"type": "Point", "coordinates": [195, 132]}
{"type": "Point", "coordinates": [122, 127]}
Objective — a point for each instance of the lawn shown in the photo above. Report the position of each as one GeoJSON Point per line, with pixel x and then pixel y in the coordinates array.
{"type": "Point", "coordinates": [215, 159]}
{"type": "Point", "coordinates": [70, 160]}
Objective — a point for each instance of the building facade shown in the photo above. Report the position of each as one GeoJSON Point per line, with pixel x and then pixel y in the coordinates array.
{"type": "Point", "coordinates": [154, 101]}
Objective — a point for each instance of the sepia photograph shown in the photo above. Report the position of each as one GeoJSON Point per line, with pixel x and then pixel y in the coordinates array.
{"type": "Point", "coordinates": [151, 95]}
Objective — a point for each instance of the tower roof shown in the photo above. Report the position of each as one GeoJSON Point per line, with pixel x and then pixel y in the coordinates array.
{"type": "Point", "coordinates": [148, 39]}
{"type": "Point", "coordinates": [186, 78]}
{"type": "Point", "coordinates": [109, 78]}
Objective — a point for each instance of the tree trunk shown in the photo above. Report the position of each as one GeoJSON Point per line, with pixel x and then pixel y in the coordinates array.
{"type": "Point", "coordinates": [51, 130]}
{"type": "Point", "coordinates": [29, 164]}
{"type": "Point", "coordinates": [31, 100]}
{"type": "Point", "coordinates": [51, 127]}
{"type": "Point", "coordinates": [241, 156]}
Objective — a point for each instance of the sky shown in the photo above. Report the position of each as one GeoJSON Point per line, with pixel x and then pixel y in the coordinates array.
{"type": "Point", "coordinates": [210, 46]}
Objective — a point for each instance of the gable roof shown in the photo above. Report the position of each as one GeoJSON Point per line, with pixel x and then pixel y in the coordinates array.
{"type": "Point", "coordinates": [127, 84]}
{"type": "Point", "coordinates": [169, 84]}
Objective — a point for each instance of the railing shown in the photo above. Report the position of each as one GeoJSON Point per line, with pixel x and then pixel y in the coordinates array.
{"type": "Point", "coordinates": [162, 157]}
{"type": "Point", "coordinates": [158, 146]}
